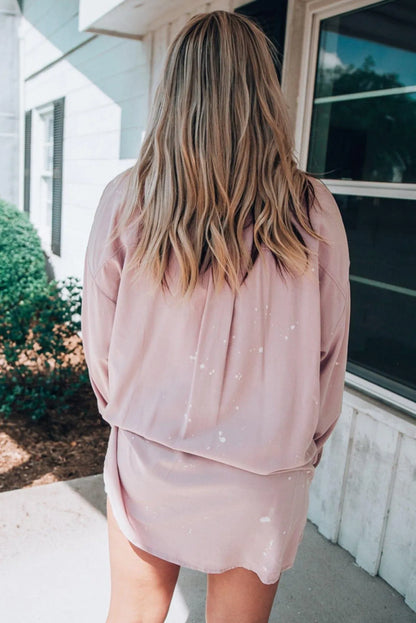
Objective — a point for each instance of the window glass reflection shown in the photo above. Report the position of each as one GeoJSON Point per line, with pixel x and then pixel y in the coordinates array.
{"type": "Point", "coordinates": [364, 112]}
{"type": "Point", "coordinates": [381, 236]}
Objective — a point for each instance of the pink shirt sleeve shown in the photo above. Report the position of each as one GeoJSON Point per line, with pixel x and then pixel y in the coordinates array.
{"type": "Point", "coordinates": [102, 270]}
{"type": "Point", "coordinates": [335, 303]}
{"type": "Point", "coordinates": [97, 320]}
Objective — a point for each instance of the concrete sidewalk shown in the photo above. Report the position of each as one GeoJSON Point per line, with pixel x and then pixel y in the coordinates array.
{"type": "Point", "coordinates": [54, 568]}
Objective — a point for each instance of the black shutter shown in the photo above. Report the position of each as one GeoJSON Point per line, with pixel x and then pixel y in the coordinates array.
{"type": "Point", "coordinates": [28, 143]}
{"type": "Point", "coordinates": [58, 144]}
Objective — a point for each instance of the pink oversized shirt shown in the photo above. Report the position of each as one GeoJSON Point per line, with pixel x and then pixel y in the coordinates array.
{"type": "Point", "coordinates": [253, 380]}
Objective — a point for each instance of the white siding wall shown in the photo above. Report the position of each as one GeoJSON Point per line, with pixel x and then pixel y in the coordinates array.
{"type": "Point", "coordinates": [363, 495]}
{"type": "Point", "coordinates": [9, 102]}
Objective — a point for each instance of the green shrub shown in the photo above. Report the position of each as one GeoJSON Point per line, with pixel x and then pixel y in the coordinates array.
{"type": "Point", "coordinates": [42, 364]}
{"type": "Point", "coordinates": [22, 262]}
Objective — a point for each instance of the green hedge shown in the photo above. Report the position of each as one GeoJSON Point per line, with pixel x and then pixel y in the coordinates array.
{"type": "Point", "coordinates": [22, 262]}
{"type": "Point", "coordinates": [42, 364]}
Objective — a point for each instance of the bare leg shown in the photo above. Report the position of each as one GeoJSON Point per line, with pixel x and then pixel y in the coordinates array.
{"type": "Point", "coordinates": [238, 596]}
{"type": "Point", "coordinates": [141, 584]}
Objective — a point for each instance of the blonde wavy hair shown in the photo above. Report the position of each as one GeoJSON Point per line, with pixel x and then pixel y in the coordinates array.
{"type": "Point", "coordinates": [217, 155]}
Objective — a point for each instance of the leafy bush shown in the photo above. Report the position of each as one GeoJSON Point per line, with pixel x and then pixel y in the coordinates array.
{"type": "Point", "coordinates": [42, 365]}
{"type": "Point", "coordinates": [22, 263]}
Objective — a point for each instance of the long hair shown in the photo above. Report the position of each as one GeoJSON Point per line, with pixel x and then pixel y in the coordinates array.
{"type": "Point", "coordinates": [217, 155]}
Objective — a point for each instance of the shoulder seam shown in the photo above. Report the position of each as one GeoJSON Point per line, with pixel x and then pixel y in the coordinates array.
{"type": "Point", "coordinates": [342, 314]}
{"type": "Point", "coordinates": [341, 317]}
{"type": "Point", "coordinates": [94, 273]}
{"type": "Point", "coordinates": [104, 262]}
{"type": "Point", "coordinates": [335, 281]}
{"type": "Point", "coordinates": [94, 278]}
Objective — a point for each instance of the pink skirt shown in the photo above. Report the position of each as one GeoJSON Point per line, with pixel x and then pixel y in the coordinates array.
{"type": "Point", "coordinates": [202, 514]}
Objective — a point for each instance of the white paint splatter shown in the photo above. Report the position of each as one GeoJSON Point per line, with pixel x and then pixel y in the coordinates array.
{"type": "Point", "coordinates": [292, 326]}
{"type": "Point", "coordinates": [261, 349]}
{"type": "Point", "coordinates": [238, 376]}
{"type": "Point", "coordinates": [264, 519]}
{"type": "Point", "coordinates": [202, 365]}
{"type": "Point", "coordinates": [211, 372]}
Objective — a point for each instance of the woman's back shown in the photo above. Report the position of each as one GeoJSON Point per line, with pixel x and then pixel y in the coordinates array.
{"type": "Point", "coordinates": [233, 377]}
{"type": "Point", "coordinates": [215, 324]}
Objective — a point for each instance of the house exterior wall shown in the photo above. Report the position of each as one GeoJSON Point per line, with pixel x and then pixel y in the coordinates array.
{"type": "Point", "coordinates": [104, 81]}
{"type": "Point", "coordinates": [107, 83]}
{"type": "Point", "coordinates": [9, 102]}
{"type": "Point", "coordinates": [363, 495]}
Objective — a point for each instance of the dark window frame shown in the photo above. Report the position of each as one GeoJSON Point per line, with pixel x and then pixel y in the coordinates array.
{"type": "Point", "coordinates": [58, 145]}
{"type": "Point", "coordinates": [57, 172]}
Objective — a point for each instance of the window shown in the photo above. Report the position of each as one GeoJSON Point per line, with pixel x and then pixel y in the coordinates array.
{"type": "Point", "coordinates": [43, 170]}
{"type": "Point", "coordinates": [27, 161]}
{"type": "Point", "coordinates": [362, 143]}
{"type": "Point", "coordinates": [364, 113]}
{"type": "Point", "coordinates": [46, 149]}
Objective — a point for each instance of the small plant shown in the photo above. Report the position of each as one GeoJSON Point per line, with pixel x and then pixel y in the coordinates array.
{"type": "Point", "coordinates": [42, 364]}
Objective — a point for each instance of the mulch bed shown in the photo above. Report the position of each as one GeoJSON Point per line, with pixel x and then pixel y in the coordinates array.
{"type": "Point", "coordinates": [58, 447]}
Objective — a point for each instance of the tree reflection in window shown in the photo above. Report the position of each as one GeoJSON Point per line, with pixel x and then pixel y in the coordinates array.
{"type": "Point", "coordinates": [364, 113]}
